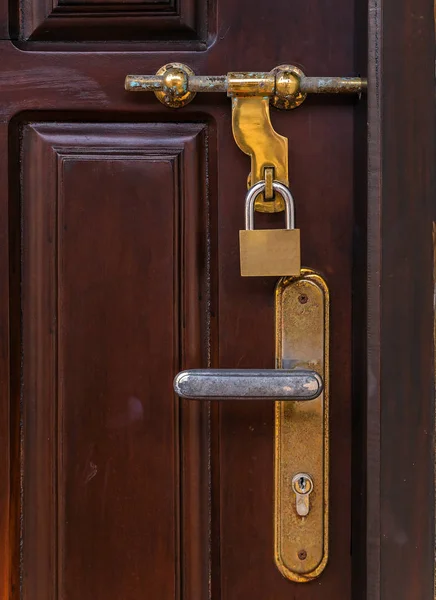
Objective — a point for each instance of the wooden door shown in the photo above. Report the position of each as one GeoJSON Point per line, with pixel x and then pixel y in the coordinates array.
{"type": "Point", "coordinates": [119, 266]}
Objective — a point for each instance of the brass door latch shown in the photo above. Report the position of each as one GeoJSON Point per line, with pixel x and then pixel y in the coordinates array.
{"type": "Point", "coordinates": [176, 84]}
{"type": "Point", "coordinates": [285, 87]}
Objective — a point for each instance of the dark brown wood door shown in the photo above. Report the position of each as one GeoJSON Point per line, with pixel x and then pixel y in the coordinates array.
{"type": "Point", "coordinates": [119, 266]}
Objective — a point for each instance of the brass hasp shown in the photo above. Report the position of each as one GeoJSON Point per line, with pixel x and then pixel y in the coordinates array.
{"type": "Point", "coordinates": [285, 87]}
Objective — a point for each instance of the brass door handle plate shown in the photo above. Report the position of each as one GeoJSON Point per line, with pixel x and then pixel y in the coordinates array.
{"type": "Point", "coordinates": [302, 429]}
{"type": "Point", "coordinates": [300, 387]}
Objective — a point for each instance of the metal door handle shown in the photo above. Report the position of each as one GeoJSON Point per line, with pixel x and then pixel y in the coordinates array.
{"type": "Point", "coordinates": [248, 384]}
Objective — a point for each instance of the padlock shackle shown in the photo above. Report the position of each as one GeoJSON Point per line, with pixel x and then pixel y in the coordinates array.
{"type": "Point", "coordinates": [257, 189]}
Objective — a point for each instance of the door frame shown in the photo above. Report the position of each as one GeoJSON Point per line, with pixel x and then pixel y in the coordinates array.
{"type": "Point", "coordinates": [394, 387]}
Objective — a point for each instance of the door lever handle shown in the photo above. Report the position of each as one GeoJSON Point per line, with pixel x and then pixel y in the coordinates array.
{"type": "Point", "coordinates": [299, 387]}
{"type": "Point", "coordinates": [248, 384]}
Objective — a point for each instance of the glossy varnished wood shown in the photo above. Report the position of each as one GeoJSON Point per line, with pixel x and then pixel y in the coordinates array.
{"type": "Point", "coordinates": [100, 427]}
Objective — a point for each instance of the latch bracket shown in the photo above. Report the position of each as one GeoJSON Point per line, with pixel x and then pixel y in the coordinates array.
{"type": "Point", "coordinates": [254, 135]}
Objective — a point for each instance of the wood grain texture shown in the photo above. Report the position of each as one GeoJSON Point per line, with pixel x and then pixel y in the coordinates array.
{"type": "Point", "coordinates": [401, 207]}
{"type": "Point", "coordinates": [102, 445]}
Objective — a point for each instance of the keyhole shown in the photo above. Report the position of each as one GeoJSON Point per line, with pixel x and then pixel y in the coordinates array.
{"type": "Point", "coordinates": [302, 485]}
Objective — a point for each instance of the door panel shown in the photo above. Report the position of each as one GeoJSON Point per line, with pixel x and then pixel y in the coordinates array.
{"type": "Point", "coordinates": [114, 239]}
{"type": "Point", "coordinates": [165, 21]}
{"type": "Point", "coordinates": [119, 277]}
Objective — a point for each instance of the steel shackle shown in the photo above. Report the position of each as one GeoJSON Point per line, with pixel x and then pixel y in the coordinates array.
{"type": "Point", "coordinates": [257, 189]}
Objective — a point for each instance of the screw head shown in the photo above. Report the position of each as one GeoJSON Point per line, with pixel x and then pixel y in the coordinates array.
{"type": "Point", "coordinates": [302, 554]}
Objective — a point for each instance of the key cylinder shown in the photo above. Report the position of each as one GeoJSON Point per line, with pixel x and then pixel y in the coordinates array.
{"type": "Point", "coordinates": [302, 485]}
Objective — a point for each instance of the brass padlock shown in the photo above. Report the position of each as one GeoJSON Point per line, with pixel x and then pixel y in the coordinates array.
{"type": "Point", "coordinates": [269, 252]}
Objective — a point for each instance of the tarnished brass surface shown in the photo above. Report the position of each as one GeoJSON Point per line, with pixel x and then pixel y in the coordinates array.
{"type": "Point", "coordinates": [287, 93]}
{"type": "Point", "coordinates": [254, 134]}
{"type": "Point", "coordinates": [286, 85]}
{"type": "Point", "coordinates": [250, 84]}
{"type": "Point", "coordinates": [333, 85]}
{"type": "Point", "coordinates": [174, 90]}
{"type": "Point", "coordinates": [302, 428]}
